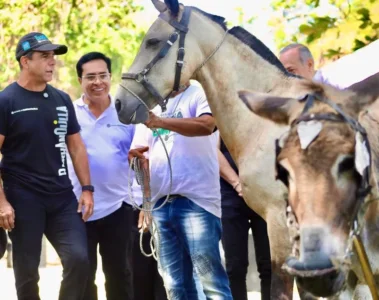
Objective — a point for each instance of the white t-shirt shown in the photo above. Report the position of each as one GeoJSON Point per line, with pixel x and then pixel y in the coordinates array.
{"type": "Point", "coordinates": [351, 68]}
{"type": "Point", "coordinates": [194, 161]}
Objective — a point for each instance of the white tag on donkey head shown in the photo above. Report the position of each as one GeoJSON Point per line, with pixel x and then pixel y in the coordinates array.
{"type": "Point", "coordinates": [362, 155]}
{"type": "Point", "coordinates": [307, 132]}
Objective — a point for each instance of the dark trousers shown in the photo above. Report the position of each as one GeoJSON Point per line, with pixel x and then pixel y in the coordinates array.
{"type": "Point", "coordinates": [57, 218]}
{"type": "Point", "coordinates": [148, 284]}
{"type": "Point", "coordinates": [113, 235]}
{"type": "Point", "coordinates": [3, 242]}
{"type": "Point", "coordinates": [236, 225]}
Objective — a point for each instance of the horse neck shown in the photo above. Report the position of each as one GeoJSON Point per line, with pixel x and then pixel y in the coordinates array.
{"type": "Point", "coordinates": [235, 67]}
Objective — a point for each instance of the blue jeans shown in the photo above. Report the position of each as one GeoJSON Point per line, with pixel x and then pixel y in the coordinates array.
{"type": "Point", "coordinates": [189, 240]}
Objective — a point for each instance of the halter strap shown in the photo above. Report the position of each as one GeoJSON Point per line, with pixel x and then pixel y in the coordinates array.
{"type": "Point", "coordinates": [181, 29]}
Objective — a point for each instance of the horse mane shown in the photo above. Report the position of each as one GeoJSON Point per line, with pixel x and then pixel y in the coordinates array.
{"type": "Point", "coordinates": [248, 39]}
{"type": "Point", "coordinates": [257, 46]}
{"type": "Point", "coordinates": [217, 19]}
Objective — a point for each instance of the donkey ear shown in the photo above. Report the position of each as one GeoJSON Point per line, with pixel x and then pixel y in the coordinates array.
{"type": "Point", "coordinates": [276, 109]}
{"type": "Point", "coordinates": [366, 93]}
{"type": "Point", "coordinates": [173, 6]}
{"type": "Point", "coordinates": [159, 5]}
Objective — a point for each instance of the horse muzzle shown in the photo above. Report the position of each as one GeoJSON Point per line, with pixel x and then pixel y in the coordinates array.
{"type": "Point", "coordinates": [130, 112]}
{"type": "Point", "coordinates": [314, 270]}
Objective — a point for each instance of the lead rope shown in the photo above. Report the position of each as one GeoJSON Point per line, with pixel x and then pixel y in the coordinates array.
{"type": "Point", "coordinates": [147, 203]}
{"type": "Point", "coordinates": [143, 179]}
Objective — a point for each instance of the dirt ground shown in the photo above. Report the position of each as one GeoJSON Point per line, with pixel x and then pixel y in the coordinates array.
{"type": "Point", "coordinates": [51, 275]}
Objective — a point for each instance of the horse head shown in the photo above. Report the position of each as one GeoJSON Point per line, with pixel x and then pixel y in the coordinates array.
{"type": "Point", "coordinates": [167, 59]}
{"type": "Point", "coordinates": [324, 160]}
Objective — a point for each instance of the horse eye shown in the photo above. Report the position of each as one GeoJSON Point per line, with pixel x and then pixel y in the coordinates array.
{"type": "Point", "coordinates": [152, 42]}
{"type": "Point", "coordinates": [346, 165]}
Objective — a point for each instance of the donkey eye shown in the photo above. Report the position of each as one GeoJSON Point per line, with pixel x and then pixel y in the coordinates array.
{"type": "Point", "coordinates": [152, 42]}
{"type": "Point", "coordinates": [346, 165]}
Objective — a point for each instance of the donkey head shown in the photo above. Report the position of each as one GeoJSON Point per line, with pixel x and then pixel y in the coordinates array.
{"type": "Point", "coordinates": [323, 160]}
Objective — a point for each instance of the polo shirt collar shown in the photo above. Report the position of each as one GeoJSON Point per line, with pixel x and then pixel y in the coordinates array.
{"type": "Point", "coordinates": [81, 102]}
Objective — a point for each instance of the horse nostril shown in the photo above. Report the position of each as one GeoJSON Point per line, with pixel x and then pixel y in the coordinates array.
{"type": "Point", "coordinates": [118, 105]}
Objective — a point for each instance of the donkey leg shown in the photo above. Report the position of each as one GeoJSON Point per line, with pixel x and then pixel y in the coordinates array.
{"type": "Point", "coordinates": [281, 282]}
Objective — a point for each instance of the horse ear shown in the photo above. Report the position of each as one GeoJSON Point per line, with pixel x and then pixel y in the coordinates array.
{"type": "Point", "coordinates": [276, 109]}
{"type": "Point", "coordinates": [173, 6]}
{"type": "Point", "coordinates": [159, 5]}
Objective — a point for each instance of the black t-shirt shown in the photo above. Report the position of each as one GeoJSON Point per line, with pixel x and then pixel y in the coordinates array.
{"type": "Point", "coordinates": [35, 126]}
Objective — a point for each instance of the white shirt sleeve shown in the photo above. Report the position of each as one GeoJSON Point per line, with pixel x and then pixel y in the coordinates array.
{"type": "Point", "coordinates": [199, 104]}
{"type": "Point", "coordinates": [318, 77]}
{"type": "Point", "coordinates": [140, 138]}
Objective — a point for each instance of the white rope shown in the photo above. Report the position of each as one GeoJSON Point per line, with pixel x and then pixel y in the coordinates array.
{"type": "Point", "coordinates": [147, 203]}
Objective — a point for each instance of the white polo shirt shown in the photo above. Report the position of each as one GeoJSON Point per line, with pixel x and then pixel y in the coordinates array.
{"type": "Point", "coordinates": [351, 68]}
{"type": "Point", "coordinates": [108, 142]}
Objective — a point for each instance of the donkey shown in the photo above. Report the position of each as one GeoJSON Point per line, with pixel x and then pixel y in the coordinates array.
{"type": "Point", "coordinates": [186, 43]}
{"type": "Point", "coordinates": [327, 167]}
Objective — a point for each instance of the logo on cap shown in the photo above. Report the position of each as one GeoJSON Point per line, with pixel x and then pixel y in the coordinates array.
{"type": "Point", "coordinates": [25, 46]}
{"type": "Point", "coordinates": [41, 37]}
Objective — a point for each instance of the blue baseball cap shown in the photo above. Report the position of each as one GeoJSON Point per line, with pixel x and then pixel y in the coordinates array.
{"type": "Point", "coordinates": [36, 41]}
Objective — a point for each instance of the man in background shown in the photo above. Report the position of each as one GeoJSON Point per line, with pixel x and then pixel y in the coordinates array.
{"type": "Point", "coordinates": [298, 60]}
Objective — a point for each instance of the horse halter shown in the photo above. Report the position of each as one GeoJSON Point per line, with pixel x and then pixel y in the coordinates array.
{"type": "Point", "coordinates": [365, 187]}
{"type": "Point", "coordinates": [181, 29]}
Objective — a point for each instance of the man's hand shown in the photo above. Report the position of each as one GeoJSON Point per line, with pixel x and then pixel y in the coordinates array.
{"type": "Point", "coordinates": [154, 121]}
{"type": "Point", "coordinates": [238, 188]}
{"type": "Point", "coordinates": [7, 215]}
{"type": "Point", "coordinates": [86, 201]}
{"type": "Point", "coordinates": [138, 152]}
{"type": "Point", "coordinates": [143, 222]}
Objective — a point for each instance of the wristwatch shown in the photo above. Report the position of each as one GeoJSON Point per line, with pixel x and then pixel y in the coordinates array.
{"type": "Point", "coordinates": [88, 188]}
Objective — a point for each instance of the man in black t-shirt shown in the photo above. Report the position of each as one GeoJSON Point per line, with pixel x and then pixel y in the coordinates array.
{"type": "Point", "coordinates": [37, 127]}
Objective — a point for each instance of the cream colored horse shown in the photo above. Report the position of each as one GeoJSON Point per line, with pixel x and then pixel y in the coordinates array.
{"type": "Point", "coordinates": [224, 63]}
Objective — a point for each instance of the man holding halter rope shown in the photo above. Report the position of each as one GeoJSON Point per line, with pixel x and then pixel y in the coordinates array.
{"type": "Point", "coordinates": [188, 219]}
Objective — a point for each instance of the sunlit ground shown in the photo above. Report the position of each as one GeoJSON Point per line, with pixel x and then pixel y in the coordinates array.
{"type": "Point", "coordinates": [50, 282]}
{"type": "Point", "coordinates": [50, 277]}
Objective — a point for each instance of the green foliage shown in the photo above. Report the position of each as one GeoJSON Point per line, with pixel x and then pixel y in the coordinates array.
{"type": "Point", "coordinates": [83, 25]}
{"type": "Point", "coordinates": [330, 28]}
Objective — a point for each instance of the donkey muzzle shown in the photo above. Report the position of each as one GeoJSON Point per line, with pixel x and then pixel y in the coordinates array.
{"type": "Point", "coordinates": [314, 270]}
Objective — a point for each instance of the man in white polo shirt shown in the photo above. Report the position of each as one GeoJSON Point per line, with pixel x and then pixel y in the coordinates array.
{"type": "Point", "coordinates": [107, 142]}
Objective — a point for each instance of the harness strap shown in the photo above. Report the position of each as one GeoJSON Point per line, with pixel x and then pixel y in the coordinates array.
{"type": "Point", "coordinates": [353, 123]}
{"type": "Point", "coordinates": [181, 50]}
{"type": "Point", "coordinates": [180, 26]}
{"type": "Point", "coordinates": [181, 31]}
{"type": "Point", "coordinates": [309, 101]}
